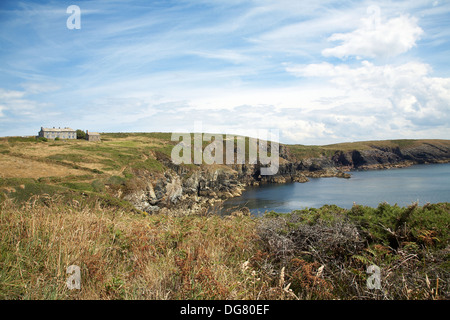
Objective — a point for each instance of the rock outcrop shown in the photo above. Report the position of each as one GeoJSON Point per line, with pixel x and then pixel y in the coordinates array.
{"type": "Point", "coordinates": [388, 157]}
{"type": "Point", "coordinates": [185, 190]}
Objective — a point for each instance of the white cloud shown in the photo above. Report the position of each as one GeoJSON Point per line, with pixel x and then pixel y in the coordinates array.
{"type": "Point", "coordinates": [304, 130]}
{"type": "Point", "coordinates": [406, 91]}
{"type": "Point", "coordinates": [375, 38]}
{"type": "Point", "coordinates": [227, 55]}
{"type": "Point", "coordinates": [363, 102]}
{"type": "Point", "coordinates": [33, 87]}
{"type": "Point", "coordinates": [365, 76]}
{"type": "Point", "coordinates": [10, 94]}
{"type": "Point", "coordinates": [14, 102]}
{"type": "Point", "coordinates": [221, 63]}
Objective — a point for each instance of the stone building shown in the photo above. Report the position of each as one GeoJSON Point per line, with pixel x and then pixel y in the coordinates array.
{"type": "Point", "coordinates": [92, 136]}
{"type": "Point", "coordinates": [61, 133]}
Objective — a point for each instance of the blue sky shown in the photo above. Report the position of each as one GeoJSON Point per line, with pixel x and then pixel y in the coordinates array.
{"type": "Point", "coordinates": [319, 72]}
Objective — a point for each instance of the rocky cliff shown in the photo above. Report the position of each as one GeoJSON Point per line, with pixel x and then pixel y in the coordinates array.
{"type": "Point", "coordinates": [386, 157]}
{"type": "Point", "coordinates": [188, 189]}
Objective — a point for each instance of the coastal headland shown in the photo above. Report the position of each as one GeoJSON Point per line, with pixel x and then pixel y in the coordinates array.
{"type": "Point", "coordinates": [136, 169]}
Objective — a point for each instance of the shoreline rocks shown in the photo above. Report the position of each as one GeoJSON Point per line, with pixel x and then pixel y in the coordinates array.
{"type": "Point", "coordinates": [187, 190]}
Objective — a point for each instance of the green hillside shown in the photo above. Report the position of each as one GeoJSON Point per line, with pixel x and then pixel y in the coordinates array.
{"type": "Point", "coordinates": [61, 204]}
{"type": "Point", "coordinates": [78, 167]}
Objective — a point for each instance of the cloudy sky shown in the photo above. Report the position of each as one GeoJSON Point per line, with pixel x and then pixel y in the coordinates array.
{"type": "Point", "coordinates": [319, 72]}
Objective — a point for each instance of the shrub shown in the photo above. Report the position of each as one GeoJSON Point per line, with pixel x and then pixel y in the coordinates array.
{"type": "Point", "coordinates": [81, 134]}
{"type": "Point", "coordinates": [324, 253]}
{"type": "Point", "coordinates": [116, 180]}
{"type": "Point", "coordinates": [98, 186]}
{"type": "Point", "coordinates": [394, 225]}
{"type": "Point", "coordinates": [287, 237]}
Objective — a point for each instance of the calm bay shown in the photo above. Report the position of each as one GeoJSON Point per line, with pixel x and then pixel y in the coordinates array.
{"type": "Point", "coordinates": [419, 183]}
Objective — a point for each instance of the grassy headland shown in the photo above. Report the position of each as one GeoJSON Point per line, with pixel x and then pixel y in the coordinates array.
{"type": "Point", "coordinates": [117, 165]}
{"type": "Point", "coordinates": [62, 204]}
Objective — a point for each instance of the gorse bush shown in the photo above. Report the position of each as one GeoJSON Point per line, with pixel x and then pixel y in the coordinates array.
{"type": "Point", "coordinates": [409, 244]}
{"type": "Point", "coordinates": [307, 254]}
{"type": "Point", "coordinates": [98, 185]}
{"type": "Point", "coordinates": [394, 225]}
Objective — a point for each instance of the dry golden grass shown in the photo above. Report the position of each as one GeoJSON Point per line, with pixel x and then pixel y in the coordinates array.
{"type": "Point", "coordinates": [26, 158]}
{"type": "Point", "coordinates": [43, 149]}
{"type": "Point", "coordinates": [137, 140]}
{"type": "Point", "coordinates": [121, 255]}
{"type": "Point", "coordinates": [18, 167]}
{"type": "Point", "coordinates": [130, 256]}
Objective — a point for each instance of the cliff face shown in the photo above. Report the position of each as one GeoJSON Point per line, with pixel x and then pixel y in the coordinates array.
{"type": "Point", "coordinates": [385, 157]}
{"type": "Point", "coordinates": [187, 192]}
{"type": "Point", "coordinates": [191, 189]}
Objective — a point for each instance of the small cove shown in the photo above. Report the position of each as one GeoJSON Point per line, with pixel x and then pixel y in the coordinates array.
{"type": "Point", "coordinates": [419, 183]}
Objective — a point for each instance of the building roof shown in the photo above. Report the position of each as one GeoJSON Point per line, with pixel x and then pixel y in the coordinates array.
{"type": "Point", "coordinates": [57, 129]}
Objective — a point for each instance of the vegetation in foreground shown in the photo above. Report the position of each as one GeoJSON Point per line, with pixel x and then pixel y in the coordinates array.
{"type": "Point", "coordinates": [307, 254]}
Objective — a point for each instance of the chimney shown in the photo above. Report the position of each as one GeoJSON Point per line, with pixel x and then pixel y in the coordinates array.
{"type": "Point", "coordinates": [87, 132]}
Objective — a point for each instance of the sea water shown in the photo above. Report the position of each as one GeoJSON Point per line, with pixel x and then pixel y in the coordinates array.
{"type": "Point", "coordinates": [426, 183]}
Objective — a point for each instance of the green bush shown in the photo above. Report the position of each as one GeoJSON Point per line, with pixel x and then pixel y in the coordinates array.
{"type": "Point", "coordinates": [116, 180]}
{"type": "Point", "coordinates": [32, 189]}
{"type": "Point", "coordinates": [394, 225]}
{"type": "Point", "coordinates": [408, 244]}
{"type": "Point", "coordinates": [98, 186]}
{"type": "Point", "coordinates": [80, 186]}
{"type": "Point", "coordinates": [81, 134]}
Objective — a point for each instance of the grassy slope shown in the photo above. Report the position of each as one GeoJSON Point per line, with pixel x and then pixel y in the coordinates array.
{"type": "Point", "coordinates": [121, 255]}
{"type": "Point", "coordinates": [105, 169]}
{"type": "Point", "coordinates": [30, 167]}
{"type": "Point", "coordinates": [302, 151]}
{"type": "Point", "coordinates": [82, 162]}
{"type": "Point", "coordinates": [79, 168]}
{"type": "Point", "coordinates": [61, 189]}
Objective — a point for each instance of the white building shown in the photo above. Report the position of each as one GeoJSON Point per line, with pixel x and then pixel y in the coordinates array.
{"type": "Point", "coordinates": [61, 133]}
